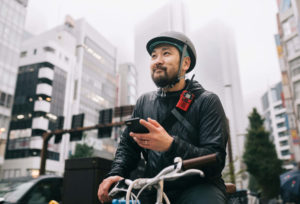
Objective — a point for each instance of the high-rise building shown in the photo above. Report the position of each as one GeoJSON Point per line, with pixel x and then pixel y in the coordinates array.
{"type": "Point", "coordinates": [42, 95]}
{"type": "Point", "coordinates": [127, 75]}
{"type": "Point", "coordinates": [217, 70]}
{"type": "Point", "coordinates": [276, 123]}
{"type": "Point", "coordinates": [288, 48]}
{"type": "Point", "coordinates": [12, 21]}
{"type": "Point", "coordinates": [65, 71]}
{"type": "Point", "coordinates": [96, 72]}
{"type": "Point", "coordinates": [170, 17]}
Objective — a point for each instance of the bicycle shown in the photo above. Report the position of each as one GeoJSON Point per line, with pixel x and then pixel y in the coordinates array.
{"type": "Point", "coordinates": [179, 169]}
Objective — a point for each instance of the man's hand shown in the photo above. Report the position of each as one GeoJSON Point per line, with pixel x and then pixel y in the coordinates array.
{"type": "Point", "coordinates": [104, 187]}
{"type": "Point", "coordinates": [157, 139]}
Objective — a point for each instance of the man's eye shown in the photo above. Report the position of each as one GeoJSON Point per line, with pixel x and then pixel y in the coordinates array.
{"type": "Point", "coordinates": [166, 53]}
{"type": "Point", "coordinates": [153, 56]}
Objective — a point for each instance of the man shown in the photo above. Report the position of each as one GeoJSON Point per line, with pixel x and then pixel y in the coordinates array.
{"type": "Point", "coordinates": [172, 56]}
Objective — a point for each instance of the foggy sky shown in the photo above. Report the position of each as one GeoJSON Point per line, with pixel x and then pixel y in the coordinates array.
{"type": "Point", "coordinates": [254, 23]}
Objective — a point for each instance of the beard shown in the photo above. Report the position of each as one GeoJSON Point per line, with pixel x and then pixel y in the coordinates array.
{"type": "Point", "coordinates": [163, 79]}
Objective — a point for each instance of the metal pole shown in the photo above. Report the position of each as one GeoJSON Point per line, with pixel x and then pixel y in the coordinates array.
{"type": "Point", "coordinates": [46, 138]}
{"type": "Point", "coordinates": [231, 162]}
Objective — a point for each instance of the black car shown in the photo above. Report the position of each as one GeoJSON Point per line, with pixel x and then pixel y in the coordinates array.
{"type": "Point", "coordinates": [40, 190]}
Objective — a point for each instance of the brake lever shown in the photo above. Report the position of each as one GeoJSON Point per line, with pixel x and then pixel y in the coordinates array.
{"type": "Point", "coordinates": [118, 189]}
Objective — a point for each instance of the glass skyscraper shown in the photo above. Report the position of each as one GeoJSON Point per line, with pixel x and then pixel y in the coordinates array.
{"type": "Point", "coordinates": [12, 21]}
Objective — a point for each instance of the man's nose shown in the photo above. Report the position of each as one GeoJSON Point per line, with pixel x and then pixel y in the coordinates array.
{"type": "Point", "coordinates": [158, 60]}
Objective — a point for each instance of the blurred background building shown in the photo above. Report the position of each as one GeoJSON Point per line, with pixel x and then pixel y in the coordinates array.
{"type": "Point", "coordinates": [276, 123]}
{"type": "Point", "coordinates": [218, 71]}
{"type": "Point", "coordinates": [67, 71]}
{"type": "Point", "coordinates": [12, 22]}
{"type": "Point", "coordinates": [170, 17]}
{"type": "Point", "coordinates": [288, 48]}
{"type": "Point", "coordinates": [71, 70]}
{"type": "Point", "coordinates": [127, 75]}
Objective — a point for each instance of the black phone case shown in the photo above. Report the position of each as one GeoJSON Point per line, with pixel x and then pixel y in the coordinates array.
{"type": "Point", "coordinates": [135, 126]}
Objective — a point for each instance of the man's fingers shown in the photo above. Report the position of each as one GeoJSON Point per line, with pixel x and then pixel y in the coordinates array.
{"type": "Point", "coordinates": [104, 187]}
{"type": "Point", "coordinates": [148, 125]}
{"type": "Point", "coordinates": [140, 136]}
{"type": "Point", "coordinates": [154, 122]}
{"type": "Point", "coordinates": [142, 143]}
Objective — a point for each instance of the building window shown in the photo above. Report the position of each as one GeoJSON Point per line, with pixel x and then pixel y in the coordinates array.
{"type": "Point", "coordinates": [283, 143]}
{"type": "Point", "coordinates": [8, 101]}
{"type": "Point", "coordinates": [283, 134]}
{"type": "Point", "coordinates": [285, 152]}
{"type": "Point", "coordinates": [297, 89]}
{"type": "Point", "coordinates": [75, 90]}
{"type": "Point", "coordinates": [279, 116]}
{"type": "Point", "coordinates": [280, 125]}
{"type": "Point", "coordinates": [296, 71]}
{"type": "Point", "coordinates": [265, 101]}
{"type": "Point", "coordinates": [293, 46]}
{"type": "Point", "coordinates": [294, 63]}
{"type": "Point", "coordinates": [278, 107]}
{"type": "Point", "coordinates": [289, 26]}
{"type": "Point", "coordinates": [45, 81]}
{"type": "Point", "coordinates": [275, 95]}
{"type": "Point", "coordinates": [298, 111]}
{"type": "Point", "coordinates": [23, 54]}
{"type": "Point", "coordinates": [49, 49]}
{"type": "Point", "coordinates": [2, 98]}
{"type": "Point", "coordinates": [34, 51]}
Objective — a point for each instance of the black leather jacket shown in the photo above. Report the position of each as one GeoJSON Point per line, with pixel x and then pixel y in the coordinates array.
{"type": "Point", "coordinates": [206, 114]}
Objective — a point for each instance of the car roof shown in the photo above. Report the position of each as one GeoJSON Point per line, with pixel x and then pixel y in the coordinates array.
{"type": "Point", "coordinates": [28, 178]}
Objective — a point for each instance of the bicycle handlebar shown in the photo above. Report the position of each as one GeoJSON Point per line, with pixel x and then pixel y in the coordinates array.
{"type": "Point", "coordinates": [199, 162]}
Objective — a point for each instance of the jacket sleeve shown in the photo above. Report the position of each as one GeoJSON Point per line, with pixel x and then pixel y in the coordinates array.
{"type": "Point", "coordinates": [128, 154]}
{"type": "Point", "coordinates": [212, 136]}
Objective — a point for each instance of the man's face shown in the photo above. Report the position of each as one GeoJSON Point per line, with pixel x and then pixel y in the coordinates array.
{"type": "Point", "coordinates": [164, 64]}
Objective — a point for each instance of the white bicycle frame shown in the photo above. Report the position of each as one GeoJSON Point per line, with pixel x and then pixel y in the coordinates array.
{"type": "Point", "coordinates": [169, 173]}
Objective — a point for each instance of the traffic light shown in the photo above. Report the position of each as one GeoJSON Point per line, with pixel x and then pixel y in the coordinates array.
{"type": "Point", "coordinates": [105, 117]}
{"type": "Point", "coordinates": [59, 125]}
{"type": "Point", "coordinates": [77, 121]}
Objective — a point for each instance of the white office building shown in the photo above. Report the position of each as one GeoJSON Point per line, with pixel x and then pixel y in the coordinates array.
{"type": "Point", "coordinates": [127, 76]}
{"type": "Point", "coordinates": [276, 123]}
{"type": "Point", "coordinates": [65, 71]}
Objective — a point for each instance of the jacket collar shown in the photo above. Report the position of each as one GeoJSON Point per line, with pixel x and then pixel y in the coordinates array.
{"type": "Point", "coordinates": [195, 87]}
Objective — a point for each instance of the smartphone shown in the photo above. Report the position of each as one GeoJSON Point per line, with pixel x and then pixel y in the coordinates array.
{"type": "Point", "coordinates": [134, 125]}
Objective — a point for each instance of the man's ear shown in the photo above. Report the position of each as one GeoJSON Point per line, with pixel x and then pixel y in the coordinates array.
{"type": "Point", "coordinates": [186, 63]}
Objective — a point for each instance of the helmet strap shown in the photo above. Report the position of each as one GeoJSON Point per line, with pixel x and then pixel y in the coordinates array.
{"type": "Point", "coordinates": [172, 84]}
{"type": "Point", "coordinates": [181, 61]}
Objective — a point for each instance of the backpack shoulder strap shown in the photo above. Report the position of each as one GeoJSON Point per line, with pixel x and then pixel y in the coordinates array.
{"type": "Point", "coordinates": [183, 120]}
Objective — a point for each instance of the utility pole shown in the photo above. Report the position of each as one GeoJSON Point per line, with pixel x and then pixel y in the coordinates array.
{"type": "Point", "coordinates": [231, 162]}
{"type": "Point", "coordinates": [47, 136]}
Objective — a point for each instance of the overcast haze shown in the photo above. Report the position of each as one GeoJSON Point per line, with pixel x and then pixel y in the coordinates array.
{"type": "Point", "coordinates": [254, 23]}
